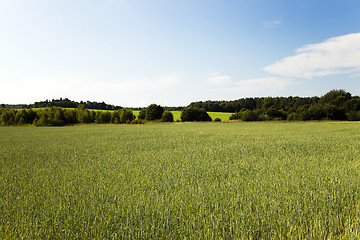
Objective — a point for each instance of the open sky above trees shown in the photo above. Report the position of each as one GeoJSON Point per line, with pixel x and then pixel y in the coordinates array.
{"type": "Point", "coordinates": [134, 53]}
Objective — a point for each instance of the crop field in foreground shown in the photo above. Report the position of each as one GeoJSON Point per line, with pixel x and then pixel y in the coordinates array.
{"type": "Point", "coordinates": [181, 181]}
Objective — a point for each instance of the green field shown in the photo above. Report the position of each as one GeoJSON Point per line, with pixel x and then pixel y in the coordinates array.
{"type": "Point", "coordinates": [222, 115]}
{"type": "Point", "coordinates": [263, 180]}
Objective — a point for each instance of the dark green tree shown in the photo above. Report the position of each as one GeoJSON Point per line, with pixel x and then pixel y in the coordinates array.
{"type": "Point", "coordinates": [167, 116]}
{"type": "Point", "coordinates": [8, 117]}
{"type": "Point", "coordinates": [103, 117]}
{"type": "Point", "coordinates": [142, 114]}
{"type": "Point", "coordinates": [154, 112]}
{"type": "Point", "coordinates": [333, 112]}
{"type": "Point", "coordinates": [43, 120]}
{"type": "Point", "coordinates": [126, 115]}
{"type": "Point", "coordinates": [84, 116]}
{"type": "Point", "coordinates": [190, 114]}
{"type": "Point", "coordinates": [335, 97]}
{"type": "Point", "coordinates": [115, 117]}
{"type": "Point", "coordinates": [248, 115]}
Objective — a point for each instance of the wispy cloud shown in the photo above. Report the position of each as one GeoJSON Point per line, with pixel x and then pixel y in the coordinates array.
{"type": "Point", "coordinates": [271, 24]}
{"type": "Point", "coordinates": [216, 79]}
{"type": "Point", "coordinates": [338, 55]}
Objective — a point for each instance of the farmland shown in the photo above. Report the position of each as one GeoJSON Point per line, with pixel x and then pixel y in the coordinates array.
{"type": "Point", "coordinates": [183, 180]}
{"type": "Point", "coordinates": [222, 115]}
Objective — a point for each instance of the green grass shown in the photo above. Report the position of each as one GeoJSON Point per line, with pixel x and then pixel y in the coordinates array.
{"type": "Point", "coordinates": [224, 116]}
{"type": "Point", "coordinates": [182, 180]}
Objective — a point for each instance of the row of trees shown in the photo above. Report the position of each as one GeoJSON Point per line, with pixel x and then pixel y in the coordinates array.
{"type": "Point", "coordinates": [56, 116]}
{"type": "Point", "coordinates": [277, 102]}
{"type": "Point", "coordinates": [334, 105]}
{"type": "Point", "coordinates": [66, 103]}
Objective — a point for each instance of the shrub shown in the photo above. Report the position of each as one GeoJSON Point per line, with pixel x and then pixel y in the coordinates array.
{"type": "Point", "coordinates": [142, 114]}
{"type": "Point", "coordinates": [167, 116]}
{"type": "Point", "coordinates": [126, 115]}
{"type": "Point", "coordinates": [154, 112]}
{"type": "Point", "coordinates": [190, 114]}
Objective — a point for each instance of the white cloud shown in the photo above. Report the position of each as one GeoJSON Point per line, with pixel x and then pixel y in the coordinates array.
{"type": "Point", "coordinates": [268, 85]}
{"type": "Point", "coordinates": [338, 55]}
{"type": "Point", "coordinates": [218, 80]}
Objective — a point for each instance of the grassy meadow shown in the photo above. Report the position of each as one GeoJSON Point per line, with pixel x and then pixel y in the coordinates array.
{"type": "Point", "coordinates": [263, 180]}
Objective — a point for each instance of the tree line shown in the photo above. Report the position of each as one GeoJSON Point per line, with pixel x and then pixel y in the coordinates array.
{"type": "Point", "coordinates": [334, 105]}
{"type": "Point", "coordinates": [58, 116]}
{"type": "Point", "coordinates": [66, 103]}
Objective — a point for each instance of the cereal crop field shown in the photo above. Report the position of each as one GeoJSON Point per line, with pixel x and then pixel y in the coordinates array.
{"type": "Point", "coordinates": [264, 180]}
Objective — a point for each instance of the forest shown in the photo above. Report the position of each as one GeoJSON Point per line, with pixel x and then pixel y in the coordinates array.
{"type": "Point", "coordinates": [334, 105]}
{"type": "Point", "coordinates": [66, 103]}
{"type": "Point", "coordinates": [57, 116]}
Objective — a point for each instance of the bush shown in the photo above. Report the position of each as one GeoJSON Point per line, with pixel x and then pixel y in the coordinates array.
{"type": "Point", "coordinates": [190, 114]}
{"type": "Point", "coordinates": [354, 116]}
{"type": "Point", "coordinates": [154, 112]}
{"type": "Point", "coordinates": [235, 116]}
{"type": "Point", "coordinates": [217, 120]}
{"type": "Point", "coordinates": [167, 116]}
{"type": "Point", "coordinates": [137, 121]}
{"type": "Point", "coordinates": [126, 115]}
{"type": "Point", "coordinates": [248, 115]}
{"type": "Point", "coordinates": [142, 114]}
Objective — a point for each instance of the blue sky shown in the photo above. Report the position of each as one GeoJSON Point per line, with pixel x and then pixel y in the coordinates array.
{"type": "Point", "coordinates": [134, 53]}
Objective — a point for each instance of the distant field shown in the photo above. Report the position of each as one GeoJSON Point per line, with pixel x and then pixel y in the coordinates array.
{"type": "Point", "coordinates": [222, 115]}
{"type": "Point", "coordinates": [259, 180]}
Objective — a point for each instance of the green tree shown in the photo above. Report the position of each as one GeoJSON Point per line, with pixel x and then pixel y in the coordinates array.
{"type": "Point", "coordinates": [315, 112]}
{"type": "Point", "coordinates": [235, 116]}
{"type": "Point", "coordinates": [70, 116]}
{"type": "Point", "coordinates": [353, 116]}
{"type": "Point", "coordinates": [273, 113]}
{"type": "Point", "coordinates": [126, 115]}
{"type": "Point", "coordinates": [20, 115]}
{"type": "Point", "coordinates": [335, 97]}
{"type": "Point", "coordinates": [103, 117]}
{"type": "Point", "coordinates": [56, 116]}
{"type": "Point", "coordinates": [248, 115]}
{"type": "Point", "coordinates": [190, 114]}
{"type": "Point", "coordinates": [333, 112]}
{"type": "Point", "coordinates": [84, 116]}
{"type": "Point", "coordinates": [142, 114]}
{"type": "Point", "coordinates": [43, 120]}
{"type": "Point", "coordinates": [81, 107]}
{"type": "Point", "coordinates": [167, 116]}
{"type": "Point", "coordinates": [115, 117]}
{"type": "Point", "coordinates": [8, 117]}
{"type": "Point", "coordinates": [154, 112]}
